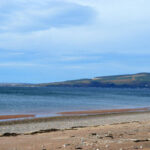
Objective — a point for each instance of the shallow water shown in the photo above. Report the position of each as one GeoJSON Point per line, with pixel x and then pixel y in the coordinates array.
{"type": "Point", "coordinates": [49, 101]}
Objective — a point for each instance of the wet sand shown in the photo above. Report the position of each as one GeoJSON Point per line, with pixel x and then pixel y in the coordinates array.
{"type": "Point", "coordinates": [5, 117]}
{"type": "Point", "coordinates": [91, 112]}
{"type": "Point", "coordinates": [103, 111]}
{"type": "Point", "coordinates": [69, 122]}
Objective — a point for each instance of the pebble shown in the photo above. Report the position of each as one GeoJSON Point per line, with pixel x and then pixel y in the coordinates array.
{"type": "Point", "coordinates": [93, 134]}
{"type": "Point", "coordinates": [109, 135]}
{"type": "Point", "coordinates": [119, 142]}
{"type": "Point", "coordinates": [43, 147]}
{"type": "Point", "coordinates": [72, 136]}
{"type": "Point", "coordinates": [82, 140]}
{"type": "Point", "coordinates": [99, 137]}
{"type": "Point", "coordinates": [141, 147]}
{"type": "Point", "coordinates": [78, 148]}
{"type": "Point", "coordinates": [65, 145]}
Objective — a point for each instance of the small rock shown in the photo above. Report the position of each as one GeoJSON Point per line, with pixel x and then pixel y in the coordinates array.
{"type": "Point", "coordinates": [78, 148]}
{"type": "Point", "coordinates": [59, 147]}
{"type": "Point", "coordinates": [141, 147]}
{"type": "Point", "coordinates": [82, 139]}
{"type": "Point", "coordinates": [93, 134]}
{"type": "Point", "coordinates": [99, 137]}
{"type": "Point", "coordinates": [72, 136]}
{"type": "Point", "coordinates": [145, 140]}
{"type": "Point", "coordinates": [65, 145]}
{"type": "Point", "coordinates": [109, 135]}
{"type": "Point", "coordinates": [43, 147]}
{"type": "Point", "coordinates": [121, 135]}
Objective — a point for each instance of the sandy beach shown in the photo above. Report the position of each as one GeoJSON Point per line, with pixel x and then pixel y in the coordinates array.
{"type": "Point", "coordinates": [125, 136]}
{"type": "Point", "coordinates": [112, 131]}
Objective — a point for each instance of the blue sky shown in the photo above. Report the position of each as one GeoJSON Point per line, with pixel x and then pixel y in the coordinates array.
{"type": "Point", "coordinates": [55, 40]}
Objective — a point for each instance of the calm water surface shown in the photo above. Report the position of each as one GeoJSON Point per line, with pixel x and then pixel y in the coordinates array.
{"type": "Point", "coordinates": [49, 101]}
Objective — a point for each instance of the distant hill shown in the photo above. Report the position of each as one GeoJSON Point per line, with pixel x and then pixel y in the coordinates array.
{"type": "Point", "coordinates": [17, 85]}
{"type": "Point", "coordinates": [139, 80]}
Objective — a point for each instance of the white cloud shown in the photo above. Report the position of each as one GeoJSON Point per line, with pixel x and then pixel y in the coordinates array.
{"type": "Point", "coordinates": [34, 15]}
{"type": "Point", "coordinates": [116, 26]}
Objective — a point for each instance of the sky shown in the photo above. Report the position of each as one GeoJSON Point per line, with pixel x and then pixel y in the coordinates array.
{"type": "Point", "coordinates": [55, 40]}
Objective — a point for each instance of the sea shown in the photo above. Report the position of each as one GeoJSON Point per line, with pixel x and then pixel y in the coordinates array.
{"type": "Point", "coordinates": [48, 101]}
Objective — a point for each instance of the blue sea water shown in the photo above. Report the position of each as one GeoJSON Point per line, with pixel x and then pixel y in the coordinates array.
{"type": "Point", "coordinates": [50, 100]}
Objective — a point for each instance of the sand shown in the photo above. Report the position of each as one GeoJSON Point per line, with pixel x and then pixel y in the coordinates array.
{"type": "Point", "coordinates": [122, 136]}
{"type": "Point", "coordinates": [116, 131]}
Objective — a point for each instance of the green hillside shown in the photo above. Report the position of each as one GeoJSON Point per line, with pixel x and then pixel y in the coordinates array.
{"type": "Point", "coordinates": [141, 80]}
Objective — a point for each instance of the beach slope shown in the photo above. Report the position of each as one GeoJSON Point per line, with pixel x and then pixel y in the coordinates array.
{"type": "Point", "coordinates": [124, 131]}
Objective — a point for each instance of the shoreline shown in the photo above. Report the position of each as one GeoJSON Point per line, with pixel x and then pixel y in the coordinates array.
{"type": "Point", "coordinates": [105, 111]}
{"type": "Point", "coordinates": [43, 125]}
{"type": "Point", "coordinates": [5, 118]}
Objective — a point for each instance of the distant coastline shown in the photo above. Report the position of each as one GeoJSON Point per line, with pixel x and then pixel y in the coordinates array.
{"type": "Point", "coordinates": [139, 80]}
